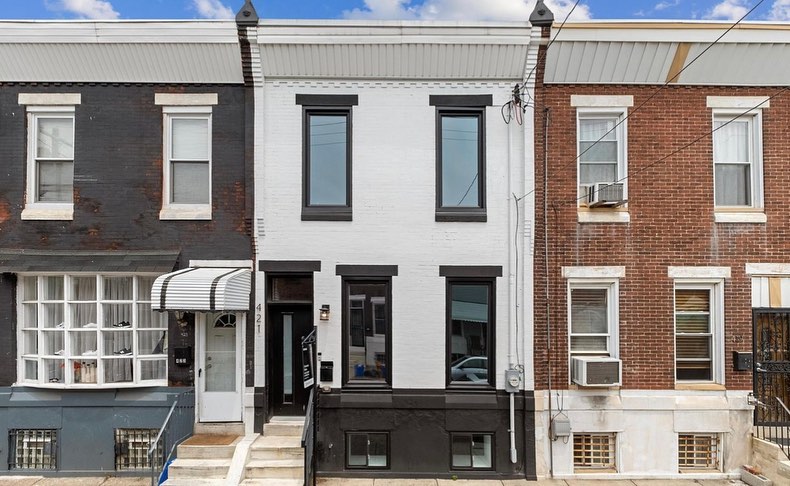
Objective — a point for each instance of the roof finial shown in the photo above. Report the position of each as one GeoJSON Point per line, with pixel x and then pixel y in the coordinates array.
{"type": "Point", "coordinates": [247, 16]}
{"type": "Point", "coordinates": [541, 16]}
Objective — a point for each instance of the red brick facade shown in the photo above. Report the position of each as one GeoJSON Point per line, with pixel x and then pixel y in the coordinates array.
{"type": "Point", "coordinates": [671, 206]}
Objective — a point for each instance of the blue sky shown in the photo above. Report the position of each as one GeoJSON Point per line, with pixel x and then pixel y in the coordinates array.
{"type": "Point", "coordinates": [393, 9]}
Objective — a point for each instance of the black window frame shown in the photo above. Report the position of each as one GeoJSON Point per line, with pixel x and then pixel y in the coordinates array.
{"type": "Point", "coordinates": [458, 106]}
{"type": "Point", "coordinates": [326, 105]}
{"type": "Point", "coordinates": [471, 276]}
{"type": "Point", "coordinates": [470, 435]}
{"type": "Point", "coordinates": [350, 276]}
{"type": "Point", "coordinates": [367, 433]}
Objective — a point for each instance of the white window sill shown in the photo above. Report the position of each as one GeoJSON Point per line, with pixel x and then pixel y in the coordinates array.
{"type": "Point", "coordinates": [89, 386]}
{"type": "Point", "coordinates": [700, 386]}
{"type": "Point", "coordinates": [48, 212]}
{"type": "Point", "coordinates": [740, 217]}
{"type": "Point", "coordinates": [202, 212]}
{"type": "Point", "coordinates": [604, 216]}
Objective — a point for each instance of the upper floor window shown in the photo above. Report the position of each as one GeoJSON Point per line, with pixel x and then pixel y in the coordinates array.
{"type": "Point", "coordinates": [326, 172]}
{"type": "Point", "coordinates": [89, 330]}
{"type": "Point", "coordinates": [460, 154]}
{"type": "Point", "coordinates": [50, 155]}
{"type": "Point", "coordinates": [602, 156]}
{"type": "Point", "coordinates": [187, 148]}
{"type": "Point", "coordinates": [738, 158]}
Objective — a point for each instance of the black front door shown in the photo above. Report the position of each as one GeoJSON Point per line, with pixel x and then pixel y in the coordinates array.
{"type": "Point", "coordinates": [290, 325]}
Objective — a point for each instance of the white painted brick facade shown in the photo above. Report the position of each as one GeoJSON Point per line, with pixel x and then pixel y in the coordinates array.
{"type": "Point", "coordinates": [393, 190]}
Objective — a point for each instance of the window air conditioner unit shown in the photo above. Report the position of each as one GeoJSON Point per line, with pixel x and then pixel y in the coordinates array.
{"type": "Point", "coordinates": [600, 194]}
{"type": "Point", "coordinates": [596, 371]}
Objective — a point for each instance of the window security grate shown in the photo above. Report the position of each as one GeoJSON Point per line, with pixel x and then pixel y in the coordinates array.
{"type": "Point", "coordinates": [33, 449]}
{"type": "Point", "coordinates": [594, 451]}
{"type": "Point", "coordinates": [698, 451]}
{"type": "Point", "coordinates": [131, 449]}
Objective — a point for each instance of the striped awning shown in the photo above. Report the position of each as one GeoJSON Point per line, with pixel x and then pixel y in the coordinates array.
{"type": "Point", "coordinates": [203, 289]}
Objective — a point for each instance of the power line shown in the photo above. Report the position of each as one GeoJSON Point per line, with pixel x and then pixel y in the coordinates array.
{"type": "Point", "coordinates": [652, 95]}
{"type": "Point", "coordinates": [689, 144]}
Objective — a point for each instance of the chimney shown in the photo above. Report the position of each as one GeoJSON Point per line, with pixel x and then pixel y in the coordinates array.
{"type": "Point", "coordinates": [542, 17]}
{"type": "Point", "coordinates": [247, 16]}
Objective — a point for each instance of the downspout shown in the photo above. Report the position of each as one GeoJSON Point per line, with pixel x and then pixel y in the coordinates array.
{"type": "Point", "coordinates": [546, 112]}
{"type": "Point", "coordinates": [513, 308]}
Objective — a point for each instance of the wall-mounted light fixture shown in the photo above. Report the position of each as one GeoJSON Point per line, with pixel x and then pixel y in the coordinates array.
{"type": "Point", "coordinates": [324, 312]}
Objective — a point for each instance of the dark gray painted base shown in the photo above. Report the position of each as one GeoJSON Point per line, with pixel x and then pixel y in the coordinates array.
{"type": "Point", "coordinates": [86, 421]}
{"type": "Point", "coordinates": [419, 423]}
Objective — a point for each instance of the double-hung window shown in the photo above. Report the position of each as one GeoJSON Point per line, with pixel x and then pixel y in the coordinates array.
{"type": "Point", "coordinates": [326, 159]}
{"type": "Point", "coordinates": [187, 137]}
{"type": "Point", "coordinates": [460, 157]}
{"type": "Point", "coordinates": [50, 159]}
{"type": "Point", "coordinates": [696, 323]}
{"type": "Point", "coordinates": [593, 316]}
{"type": "Point", "coordinates": [471, 317]}
{"type": "Point", "coordinates": [738, 158]}
{"type": "Point", "coordinates": [602, 157]}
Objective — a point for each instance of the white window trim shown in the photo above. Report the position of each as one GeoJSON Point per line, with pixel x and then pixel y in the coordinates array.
{"type": "Point", "coordinates": [716, 286]}
{"type": "Point", "coordinates": [21, 356]}
{"type": "Point", "coordinates": [621, 132]}
{"type": "Point", "coordinates": [175, 211]}
{"type": "Point", "coordinates": [37, 210]}
{"type": "Point", "coordinates": [752, 213]}
{"type": "Point", "coordinates": [612, 286]}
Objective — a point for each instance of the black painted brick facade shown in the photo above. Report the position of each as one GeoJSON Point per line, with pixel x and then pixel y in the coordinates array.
{"type": "Point", "coordinates": [118, 188]}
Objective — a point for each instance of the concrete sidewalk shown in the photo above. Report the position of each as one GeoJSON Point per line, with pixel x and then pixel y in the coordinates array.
{"type": "Point", "coordinates": [80, 481]}
{"type": "Point", "coordinates": [522, 482]}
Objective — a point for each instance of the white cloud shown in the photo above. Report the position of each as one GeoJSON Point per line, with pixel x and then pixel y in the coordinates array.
{"type": "Point", "coordinates": [666, 4]}
{"type": "Point", "coordinates": [728, 10]}
{"type": "Point", "coordinates": [463, 10]}
{"type": "Point", "coordinates": [85, 9]}
{"type": "Point", "coordinates": [780, 10]}
{"type": "Point", "coordinates": [212, 9]}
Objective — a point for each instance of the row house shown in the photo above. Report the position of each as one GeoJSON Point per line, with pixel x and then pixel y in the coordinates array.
{"type": "Point", "coordinates": [663, 261]}
{"type": "Point", "coordinates": [125, 157]}
{"type": "Point", "coordinates": [390, 244]}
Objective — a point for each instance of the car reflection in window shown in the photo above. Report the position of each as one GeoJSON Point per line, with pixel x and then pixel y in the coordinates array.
{"type": "Point", "coordinates": [470, 368]}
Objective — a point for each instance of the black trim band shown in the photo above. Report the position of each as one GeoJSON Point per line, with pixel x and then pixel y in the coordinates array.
{"type": "Point", "coordinates": [486, 271]}
{"type": "Point", "coordinates": [212, 296]}
{"type": "Point", "coordinates": [165, 283]}
{"type": "Point", "coordinates": [460, 100]}
{"type": "Point", "coordinates": [289, 266]}
{"type": "Point", "coordinates": [366, 270]}
{"type": "Point", "coordinates": [327, 100]}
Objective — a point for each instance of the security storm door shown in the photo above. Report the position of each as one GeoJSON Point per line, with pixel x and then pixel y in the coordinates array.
{"type": "Point", "coordinates": [219, 372]}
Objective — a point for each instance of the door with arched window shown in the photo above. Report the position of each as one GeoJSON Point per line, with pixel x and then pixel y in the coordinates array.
{"type": "Point", "coordinates": [219, 368]}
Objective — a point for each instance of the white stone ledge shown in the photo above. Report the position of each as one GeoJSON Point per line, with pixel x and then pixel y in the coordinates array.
{"type": "Point", "coordinates": [51, 99]}
{"type": "Point", "coordinates": [46, 212]}
{"type": "Point", "coordinates": [698, 272]}
{"type": "Point", "coordinates": [778, 269]}
{"type": "Point", "coordinates": [737, 217]}
{"type": "Point", "coordinates": [185, 99]}
{"type": "Point", "coordinates": [598, 216]}
{"type": "Point", "coordinates": [601, 101]}
{"type": "Point", "coordinates": [593, 272]}
{"type": "Point", "coordinates": [738, 101]}
{"type": "Point", "coordinates": [201, 213]}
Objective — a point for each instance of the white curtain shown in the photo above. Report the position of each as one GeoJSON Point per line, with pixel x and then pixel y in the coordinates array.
{"type": "Point", "coordinates": [733, 168]}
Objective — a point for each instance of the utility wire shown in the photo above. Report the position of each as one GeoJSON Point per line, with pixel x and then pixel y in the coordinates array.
{"type": "Point", "coordinates": [652, 95]}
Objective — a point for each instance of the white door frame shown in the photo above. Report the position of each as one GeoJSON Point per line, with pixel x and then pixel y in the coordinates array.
{"type": "Point", "coordinates": [202, 321]}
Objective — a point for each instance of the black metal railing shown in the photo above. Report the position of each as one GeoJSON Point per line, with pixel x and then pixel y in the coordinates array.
{"type": "Point", "coordinates": [308, 439]}
{"type": "Point", "coordinates": [33, 449]}
{"type": "Point", "coordinates": [774, 424]}
{"type": "Point", "coordinates": [178, 425]}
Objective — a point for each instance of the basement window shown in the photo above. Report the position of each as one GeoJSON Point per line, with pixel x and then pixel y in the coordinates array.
{"type": "Point", "coordinates": [131, 449]}
{"type": "Point", "coordinates": [594, 452]}
{"type": "Point", "coordinates": [472, 451]}
{"type": "Point", "coordinates": [698, 451]}
{"type": "Point", "coordinates": [368, 450]}
{"type": "Point", "coordinates": [33, 449]}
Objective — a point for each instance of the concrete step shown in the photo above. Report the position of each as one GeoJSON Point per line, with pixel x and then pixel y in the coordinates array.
{"type": "Point", "coordinates": [271, 468]}
{"type": "Point", "coordinates": [198, 468]}
{"type": "Point", "coordinates": [277, 447]}
{"type": "Point", "coordinates": [219, 428]}
{"type": "Point", "coordinates": [194, 482]}
{"type": "Point", "coordinates": [783, 471]}
{"type": "Point", "coordinates": [189, 451]}
{"type": "Point", "coordinates": [283, 428]}
{"type": "Point", "coordinates": [272, 482]}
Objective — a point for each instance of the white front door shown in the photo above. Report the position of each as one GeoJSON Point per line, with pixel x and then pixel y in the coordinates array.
{"type": "Point", "coordinates": [219, 372]}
